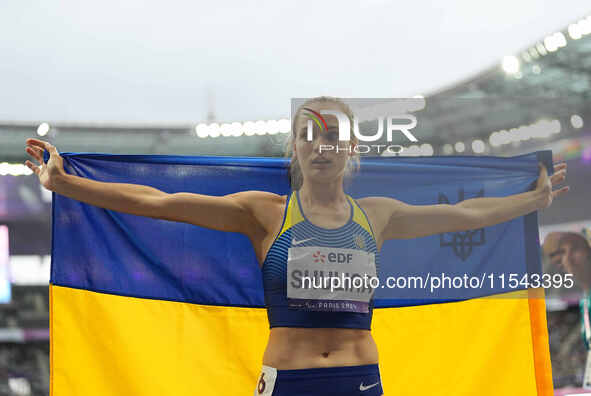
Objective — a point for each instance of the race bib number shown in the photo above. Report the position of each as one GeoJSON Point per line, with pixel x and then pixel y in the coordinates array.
{"type": "Point", "coordinates": [266, 382]}
{"type": "Point", "coordinates": [330, 279]}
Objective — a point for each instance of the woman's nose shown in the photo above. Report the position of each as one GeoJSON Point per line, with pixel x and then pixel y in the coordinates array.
{"type": "Point", "coordinates": [321, 140]}
{"type": "Point", "coordinates": [564, 261]}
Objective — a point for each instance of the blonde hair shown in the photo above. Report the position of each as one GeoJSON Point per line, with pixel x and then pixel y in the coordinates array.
{"type": "Point", "coordinates": [294, 172]}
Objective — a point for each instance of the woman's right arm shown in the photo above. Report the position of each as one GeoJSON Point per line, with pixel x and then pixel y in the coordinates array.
{"type": "Point", "coordinates": [232, 213]}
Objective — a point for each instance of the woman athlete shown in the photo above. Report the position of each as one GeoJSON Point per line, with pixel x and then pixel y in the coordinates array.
{"type": "Point", "coordinates": [318, 345]}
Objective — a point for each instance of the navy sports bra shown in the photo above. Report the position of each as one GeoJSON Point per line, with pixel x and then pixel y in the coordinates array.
{"type": "Point", "coordinates": [302, 248]}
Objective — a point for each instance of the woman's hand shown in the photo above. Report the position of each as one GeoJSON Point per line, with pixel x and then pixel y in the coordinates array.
{"type": "Point", "coordinates": [545, 183]}
{"type": "Point", "coordinates": [48, 173]}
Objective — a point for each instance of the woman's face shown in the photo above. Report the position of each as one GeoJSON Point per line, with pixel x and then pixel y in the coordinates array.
{"type": "Point", "coordinates": [325, 157]}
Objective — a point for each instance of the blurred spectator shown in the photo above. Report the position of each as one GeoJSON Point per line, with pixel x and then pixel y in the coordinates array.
{"type": "Point", "coordinates": [571, 252]}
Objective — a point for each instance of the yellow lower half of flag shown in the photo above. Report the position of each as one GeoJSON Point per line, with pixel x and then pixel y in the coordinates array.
{"type": "Point", "coordinates": [103, 344]}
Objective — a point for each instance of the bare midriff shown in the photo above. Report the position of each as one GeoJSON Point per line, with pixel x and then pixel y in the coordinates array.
{"type": "Point", "coordinates": [292, 348]}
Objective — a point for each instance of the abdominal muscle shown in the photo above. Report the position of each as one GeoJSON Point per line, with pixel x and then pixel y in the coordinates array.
{"type": "Point", "coordinates": [292, 348]}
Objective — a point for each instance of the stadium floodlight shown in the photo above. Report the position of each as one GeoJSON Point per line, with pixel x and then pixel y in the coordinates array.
{"type": "Point", "coordinates": [447, 149]}
{"type": "Point", "coordinates": [272, 127]}
{"type": "Point", "coordinates": [226, 129]}
{"type": "Point", "coordinates": [550, 43]}
{"type": "Point", "coordinates": [388, 153]}
{"type": "Point", "coordinates": [526, 56]}
{"type": "Point", "coordinates": [512, 135]}
{"type": "Point", "coordinates": [519, 133]}
{"type": "Point", "coordinates": [541, 49]}
{"type": "Point", "coordinates": [236, 129]}
{"type": "Point", "coordinates": [538, 131]}
{"type": "Point", "coordinates": [534, 53]}
{"type": "Point", "coordinates": [555, 41]}
{"type": "Point", "coordinates": [478, 146]}
{"type": "Point", "coordinates": [14, 169]}
{"type": "Point", "coordinates": [284, 125]}
{"type": "Point", "coordinates": [248, 128]}
{"type": "Point", "coordinates": [555, 126]}
{"type": "Point", "coordinates": [576, 121]}
{"type": "Point", "coordinates": [460, 147]}
{"type": "Point", "coordinates": [560, 39]}
{"type": "Point", "coordinates": [504, 137]}
{"type": "Point", "coordinates": [201, 130]}
{"type": "Point", "coordinates": [43, 129]}
{"type": "Point", "coordinates": [493, 139]}
{"type": "Point", "coordinates": [574, 31]}
{"type": "Point", "coordinates": [528, 133]}
{"type": "Point", "coordinates": [542, 129]}
{"type": "Point", "coordinates": [585, 25]}
{"type": "Point", "coordinates": [426, 149]}
{"type": "Point", "coordinates": [214, 130]}
{"type": "Point", "coordinates": [413, 150]}
{"type": "Point", "coordinates": [260, 128]}
{"type": "Point", "coordinates": [510, 64]}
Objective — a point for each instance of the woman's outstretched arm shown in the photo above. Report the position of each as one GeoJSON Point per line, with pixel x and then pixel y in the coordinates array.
{"type": "Point", "coordinates": [398, 220]}
{"type": "Point", "coordinates": [232, 213]}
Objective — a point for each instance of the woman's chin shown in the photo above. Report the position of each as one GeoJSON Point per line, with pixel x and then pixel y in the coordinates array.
{"type": "Point", "coordinates": [320, 176]}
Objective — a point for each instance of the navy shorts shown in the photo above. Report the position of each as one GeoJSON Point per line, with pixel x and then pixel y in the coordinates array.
{"type": "Point", "coordinates": [330, 381]}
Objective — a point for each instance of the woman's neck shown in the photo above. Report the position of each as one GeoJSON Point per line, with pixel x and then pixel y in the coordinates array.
{"type": "Point", "coordinates": [323, 194]}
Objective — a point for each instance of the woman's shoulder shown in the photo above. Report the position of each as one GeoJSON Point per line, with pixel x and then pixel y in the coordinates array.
{"type": "Point", "coordinates": [371, 207]}
{"type": "Point", "coordinates": [378, 211]}
{"type": "Point", "coordinates": [377, 203]}
{"type": "Point", "coordinates": [266, 207]}
{"type": "Point", "coordinates": [371, 203]}
{"type": "Point", "coordinates": [262, 203]}
{"type": "Point", "coordinates": [264, 195]}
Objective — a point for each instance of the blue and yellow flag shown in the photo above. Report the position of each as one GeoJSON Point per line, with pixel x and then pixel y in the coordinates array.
{"type": "Point", "coordinates": [141, 306]}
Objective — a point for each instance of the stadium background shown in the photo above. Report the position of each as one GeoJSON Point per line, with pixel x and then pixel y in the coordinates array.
{"type": "Point", "coordinates": [536, 98]}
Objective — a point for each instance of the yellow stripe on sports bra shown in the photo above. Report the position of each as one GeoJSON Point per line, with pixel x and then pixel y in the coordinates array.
{"type": "Point", "coordinates": [293, 215]}
{"type": "Point", "coordinates": [360, 218]}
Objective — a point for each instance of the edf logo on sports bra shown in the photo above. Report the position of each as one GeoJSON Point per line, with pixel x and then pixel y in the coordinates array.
{"type": "Point", "coordinates": [340, 257]}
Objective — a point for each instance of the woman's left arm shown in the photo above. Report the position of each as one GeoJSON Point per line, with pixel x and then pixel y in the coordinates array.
{"type": "Point", "coordinates": [411, 221]}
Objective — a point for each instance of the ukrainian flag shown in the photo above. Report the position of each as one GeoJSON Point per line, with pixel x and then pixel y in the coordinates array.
{"type": "Point", "coordinates": [141, 306]}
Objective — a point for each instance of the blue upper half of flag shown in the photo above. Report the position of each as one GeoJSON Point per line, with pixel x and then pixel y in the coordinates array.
{"type": "Point", "coordinates": [113, 252]}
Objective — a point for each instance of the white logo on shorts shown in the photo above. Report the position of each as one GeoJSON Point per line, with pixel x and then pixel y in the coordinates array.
{"type": "Point", "coordinates": [363, 388]}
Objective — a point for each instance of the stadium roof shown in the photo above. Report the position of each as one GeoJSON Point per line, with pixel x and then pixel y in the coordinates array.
{"type": "Point", "coordinates": [551, 79]}
{"type": "Point", "coordinates": [541, 91]}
